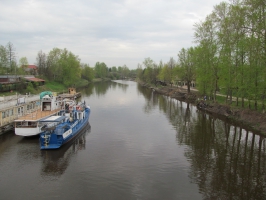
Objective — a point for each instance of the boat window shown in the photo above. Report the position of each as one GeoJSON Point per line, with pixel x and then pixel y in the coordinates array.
{"type": "Point", "coordinates": [18, 124]}
{"type": "Point", "coordinates": [32, 124]}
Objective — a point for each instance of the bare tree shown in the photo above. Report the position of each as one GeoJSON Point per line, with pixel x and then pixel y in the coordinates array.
{"type": "Point", "coordinates": [41, 63]}
{"type": "Point", "coordinates": [171, 65]}
{"type": "Point", "coordinates": [11, 56]}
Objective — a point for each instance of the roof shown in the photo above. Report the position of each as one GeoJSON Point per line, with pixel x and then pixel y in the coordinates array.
{"type": "Point", "coordinates": [32, 66]}
{"type": "Point", "coordinates": [34, 79]}
{"type": "Point", "coordinates": [53, 119]}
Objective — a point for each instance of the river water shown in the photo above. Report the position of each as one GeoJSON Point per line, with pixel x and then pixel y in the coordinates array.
{"type": "Point", "coordinates": [140, 145]}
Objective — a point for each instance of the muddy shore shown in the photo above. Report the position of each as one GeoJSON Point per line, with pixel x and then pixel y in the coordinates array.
{"type": "Point", "coordinates": [248, 119]}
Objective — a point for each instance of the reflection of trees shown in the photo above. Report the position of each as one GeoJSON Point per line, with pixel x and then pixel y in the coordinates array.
{"type": "Point", "coordinates": [227, 162]}
{"type": "Point", "coordinates": [88, 90]}
{"type": "Point", "coordinates": [55, 162]}
{"type": "Point", "coordinates": [100, 88]}
{"type": "Point", "coordinates": [121, 85]}
{"type": "Point", "coordinates": [150, 97]}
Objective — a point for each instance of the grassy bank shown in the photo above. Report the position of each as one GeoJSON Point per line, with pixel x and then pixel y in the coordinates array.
{"type": "Point", "coordinates": [51, 86]}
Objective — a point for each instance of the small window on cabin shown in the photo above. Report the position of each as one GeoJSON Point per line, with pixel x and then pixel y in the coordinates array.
{"type": "Point", "coordinates": [18, 124]}
{"type": "Point", "coordinates": [3, 115]}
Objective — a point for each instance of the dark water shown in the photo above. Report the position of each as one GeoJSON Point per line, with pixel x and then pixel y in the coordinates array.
{"type": "Point", "coordinates": [140, 145]}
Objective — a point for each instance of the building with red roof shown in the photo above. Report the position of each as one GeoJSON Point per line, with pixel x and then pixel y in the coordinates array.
{"type": "Point", "coordinates": [31, 69]}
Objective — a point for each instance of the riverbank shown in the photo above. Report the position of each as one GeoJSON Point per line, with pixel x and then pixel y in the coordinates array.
{"type": "Point", "coordinates": [246, 118]}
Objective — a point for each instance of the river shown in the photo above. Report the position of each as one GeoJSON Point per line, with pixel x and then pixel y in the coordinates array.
{"type": "Point", "coordinates": [140, 145]}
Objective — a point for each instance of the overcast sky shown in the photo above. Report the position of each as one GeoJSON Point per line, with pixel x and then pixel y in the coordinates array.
{"type": "Point", "coordinates": [116, 32]}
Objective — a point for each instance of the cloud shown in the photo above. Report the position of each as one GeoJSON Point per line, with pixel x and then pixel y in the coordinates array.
{"type": "Point", "coordinates": [116, 32]}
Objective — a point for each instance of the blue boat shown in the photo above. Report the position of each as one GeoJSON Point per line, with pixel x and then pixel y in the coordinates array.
{"type": "Point", "coordinates": [65, 127]}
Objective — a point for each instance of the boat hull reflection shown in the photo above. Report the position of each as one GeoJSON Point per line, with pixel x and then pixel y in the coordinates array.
{"type": "Point", "coordinates": [56, 162]}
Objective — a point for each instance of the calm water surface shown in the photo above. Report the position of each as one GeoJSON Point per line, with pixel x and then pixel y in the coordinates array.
{"type": "Point", "coordinates": [140, 145]}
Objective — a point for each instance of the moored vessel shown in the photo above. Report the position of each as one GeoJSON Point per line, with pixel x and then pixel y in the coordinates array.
{"type": "Point", "coordinates": [29, 124]}
{"type": "Point", "coordinates": [72, 121]}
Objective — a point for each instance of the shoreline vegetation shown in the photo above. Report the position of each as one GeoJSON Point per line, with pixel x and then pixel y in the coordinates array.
{"type": "Point", "coordinates": [53, 86]}
{"type": "Point", "coordinates": [251, 120]}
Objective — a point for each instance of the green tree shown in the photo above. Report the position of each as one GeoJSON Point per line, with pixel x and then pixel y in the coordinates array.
{"type": "Point", "coordinates": [54, 70]}
{"type": "Point", "coordinates": [151, 70]}
{"type": "Point", "coordinates": [165, 74]}
{"type": "Point", "coordinates": [70, 65]}
{"type": "Point", "coordinates": [187, 66]}
{"type": "Point", "coordinates": [114, 69]}
{"type": "Point", "coordinates": [101, 70]}
{"type": "Point", "coordinates": [23, 65]}
{"type": "Point", "coordinates": [125, 71]}
{"type": "Point", "coordinates": [87, 72]}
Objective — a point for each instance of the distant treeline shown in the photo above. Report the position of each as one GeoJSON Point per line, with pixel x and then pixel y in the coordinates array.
{"type": "Point", "coordinates": [59, 65]}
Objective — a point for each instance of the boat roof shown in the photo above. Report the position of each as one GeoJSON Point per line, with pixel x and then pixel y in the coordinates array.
{"type": "Point", "coordinates": [53, 119]}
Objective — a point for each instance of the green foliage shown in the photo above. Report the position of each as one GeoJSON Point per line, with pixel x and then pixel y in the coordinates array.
{"type": "Point", "coordinates": [55, 86]}
{"type": "Point", "coordinates": [187, 65]}
{"type": "Point", "coordinates": [30, 88]}
{"type": "Point", "coordinates": [101, 70]}
{"type": "Point", "coordinates": [165, 74]}
{"type": "Point", "coordinates": [87, 73]}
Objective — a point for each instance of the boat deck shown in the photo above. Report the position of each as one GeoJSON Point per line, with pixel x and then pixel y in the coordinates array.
{"type": "Point", "coordinates": [37, 115]}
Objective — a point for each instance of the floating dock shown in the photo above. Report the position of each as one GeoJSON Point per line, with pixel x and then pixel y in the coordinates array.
{"type": "Point", "coordinates": [72, 94]}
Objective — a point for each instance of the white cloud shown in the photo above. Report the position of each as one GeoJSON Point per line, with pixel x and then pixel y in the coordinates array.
{"type": "Point", "coordinates": [116, 32]}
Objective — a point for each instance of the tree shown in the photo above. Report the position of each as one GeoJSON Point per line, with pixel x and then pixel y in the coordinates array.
{"type": "Point", "coordinates": [41, 63]}
{"type": "Point", "coordinates": [206, 56]}
{"type": "Point", "coordinates": [70, 65]}
{"type": "Point", "coordinates": [23, 62]}
{"type": "Point", "coordinates": [125, 71]}
{"type": "Point", "coordinates": [165, 74]}
{"type": "Point", "coordinates": [23, 65]}
{"type": "Point", "coordinates": [87, 72]}
{"type": "Point", "coordinates": [54, 70]}
{"type": "Point", "coordinates": [187, 66]}
{"type": "Point", "coordinates": [11, 57]}
{"type": "Point", "coordinates": [171, 65]}
{"type": "Point", "coordinates": [3, 60]}
{"type": "Point", "coordinates": [101, 70]}
{"type": "Point", "coordinates": [151, 71]}
{"type": "Point", "coordinates": [114, 69]}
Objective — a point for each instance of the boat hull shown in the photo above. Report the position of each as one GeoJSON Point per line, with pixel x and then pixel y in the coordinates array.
{"type": "Point", "coordinates": [28, 131]}
{"type": "Point", "coordinates": [59, 136]}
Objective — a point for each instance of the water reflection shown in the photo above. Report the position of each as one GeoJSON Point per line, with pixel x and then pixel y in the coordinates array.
{"type": "Point", "coordinates": [7, 140]}
{"type": "Point", "coordinates": [227, 162]}
{"type": "Point", "coordinates": [101, 88]}
{"type": "Point", "coordinates": [55, 162]}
